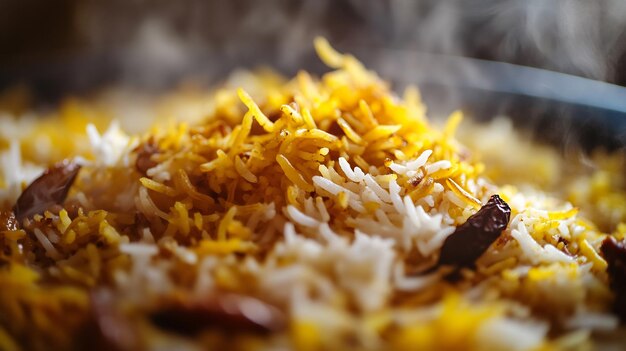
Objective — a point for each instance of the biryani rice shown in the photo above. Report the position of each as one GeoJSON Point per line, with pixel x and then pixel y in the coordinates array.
{"type": "Point", "coordinates": [326, 198]}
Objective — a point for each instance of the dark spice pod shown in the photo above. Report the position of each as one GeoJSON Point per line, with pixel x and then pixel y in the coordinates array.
{"type": "Point", "coordinates": [614, 252]}
{"type": "Point", "coordinates": [229, 313]}
{"type": "Point", "coordinates": [108, 327]}
{"type": "Point", "coordinates": [471, 239]}
{"type": "Point", "coordinates": [48, 190]}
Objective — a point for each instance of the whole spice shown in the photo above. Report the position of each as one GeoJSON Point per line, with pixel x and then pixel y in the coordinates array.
{"type": "Point", "coordinates": [614, 252]}
{"type": "Point", "coordinates": [49, 189]}
{"type": "Point", "coordinates": [227, 313]}
{"type": "Point", "coordinates": [8, 221]}
{"type": "Point", "coordinates": [471, 239]}
{"type": "Point", "coordinates": [108, 327]}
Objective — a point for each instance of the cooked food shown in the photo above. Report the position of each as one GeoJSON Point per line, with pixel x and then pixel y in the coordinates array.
{"type": "Point", "coordinates": [306, 214]}
{"type": "Point", "coordinates": [470, 240]}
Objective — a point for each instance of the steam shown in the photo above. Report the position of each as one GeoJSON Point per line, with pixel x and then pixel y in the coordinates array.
{"type": "Point", "coordinates": [156, 48]}
{"type": "Point", "coordinates": [156, 43]}
{"type": "Point", "coordinates": [577, 37]}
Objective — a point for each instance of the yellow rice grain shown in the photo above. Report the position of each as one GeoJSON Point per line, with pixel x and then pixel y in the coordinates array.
{"type": "Point", "coordinates": [260, 117]}
{"type": "Point", "coordinates": [308, 119]}
{"type": "Point", "coordinates": [243, 170]}
{"type": "Point", "coordinates": [158, 187]}
{"type": "Point", "coordinates": [273, 211]}
{"type": "Point", "coordinates": [463, 194]}
{"type": "Point", "coordinates": [588, 251]}
{"type": "Point", "coordinates": [223, 247]}
{"type": "Point", "coordinates": [182, 218]}
{"type": "Point", "coordinates": [291, 112]}
{"type": "Point", "coordinates": [198, 220]}
{"type": "Point", "coordinates": [108, 232]}
{"type": "Point", "coordinates": [330, 57]}
{"type": "Point", "coordinates": [452, 123]}
{"type": "Point", "coordinates": [292, 174]}
{"type": "Point", "coordinates": [350, 133]}
{"type": "Point", "coordinates": [381, 132]}
{"type": "Point", "coordinates": [225, 222]}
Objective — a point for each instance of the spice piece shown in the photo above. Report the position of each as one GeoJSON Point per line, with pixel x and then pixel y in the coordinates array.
{"type": "Point", "coordinates": [417, 178]}
{"type": "Point", "coordinates": [8, 221]}
{"type": "Point", "coordinates": [228, 313]}
{"type": "Point", "coordinates": [471, 239]}
{"type": "Point", "coordinates": [48, 190]}
{"type": "Point", "coordinates": [614, 252]}
{"type": "Point", "coordinates": [108, 328]}
{"type": "Point", "coordinates": [144, 156]}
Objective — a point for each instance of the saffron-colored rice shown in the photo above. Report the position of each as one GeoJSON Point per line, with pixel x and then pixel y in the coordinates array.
{"type": "Point", "coordinates": [323, 197]}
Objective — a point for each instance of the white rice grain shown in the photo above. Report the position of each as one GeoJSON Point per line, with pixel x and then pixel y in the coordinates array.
{"type": "Point", "coordinates": [309, 208]}
{"type": "Point", "coordinates": [398, 168]}
{"type": "Point", "coordinates": [335, 189]}
{"type": "Point", "coordinates": [300, 218]}
{"type": "Point", "coordinates": [376, 188]}
{"type": "Point", "coordinates": [420, 161]}
{"type": "Point", "coordinates": [147, 236]}
{"type": "Point", "coordinates": [347, 170]}
{"type": "Point", "coordinates": [329, 235]}
{"type": "Point", "coordinates": [413, 284]}
{"type": "Point", "coordinates": [51, 251]}
{"type": "Point", "coordinates": [321, 208]}
{"type": "Point", "coordinates": [330, 186]}
{"type": "Point", "coordinates": [594, 321]}
{"type": "Point", "coordinates": [358, 173]}
{"type": "Point", "coordinates": [411, 212]}
{"type": "Point", "coordinates": [439, 165]}
{"type": "Point", "coordinates": [53, 237]}
{"type": "Point", "coordinates": [139, 249]}
{"type": "Point", "coordinates": [394, 194]}
{"type": "Point", "coordinates": [533, 252]}
{"type": "Point", "coordinates": [435, 242]}
{"type": "Point", "coordinates": [510, 334]}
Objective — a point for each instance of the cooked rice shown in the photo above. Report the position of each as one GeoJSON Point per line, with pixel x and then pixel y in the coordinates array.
{"type": "Point", "coordinates": [324, 197]}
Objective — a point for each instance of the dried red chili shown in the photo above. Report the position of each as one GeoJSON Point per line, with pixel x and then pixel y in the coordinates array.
{"type": "Point", "coordinates": [472, 238]}
{"type": "Point", "coordinates": [228, 313]}
{"type": "Point", "coordinates": [614, 252]}
{"type": "Point", "coordinates": [49, 189]}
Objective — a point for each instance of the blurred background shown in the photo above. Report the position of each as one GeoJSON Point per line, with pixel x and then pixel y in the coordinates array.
{"type": "Point", "coordinates": [453, 49]}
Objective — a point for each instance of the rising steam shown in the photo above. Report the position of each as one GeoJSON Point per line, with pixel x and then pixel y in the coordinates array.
{"type": "Point", "coordinates": [577, 37]}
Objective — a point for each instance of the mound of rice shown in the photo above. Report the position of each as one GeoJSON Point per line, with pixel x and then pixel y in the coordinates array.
{"type": "Point", "coordinates": [311, 210]}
